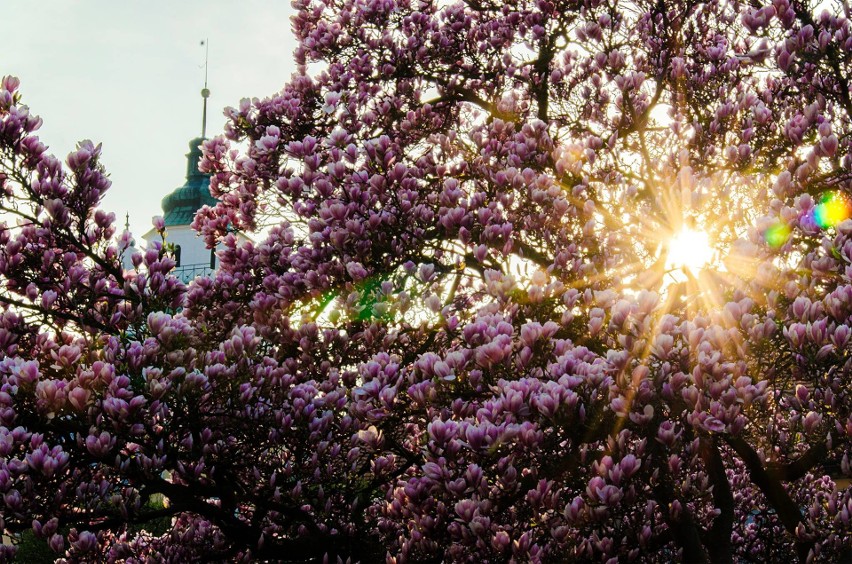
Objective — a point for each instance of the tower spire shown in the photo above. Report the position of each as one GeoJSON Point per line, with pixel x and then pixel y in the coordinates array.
{"type": "Point", "coordinates": [205, 92]}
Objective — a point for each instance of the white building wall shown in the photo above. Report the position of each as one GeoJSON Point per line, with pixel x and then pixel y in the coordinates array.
{"type": "Point", "coordinates": [195, 257]}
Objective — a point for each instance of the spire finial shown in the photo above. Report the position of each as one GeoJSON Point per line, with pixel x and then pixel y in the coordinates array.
{"type": "Point", "coordinates": [127, 222]}
{"type": "Point", "coordinates": [205, 92]}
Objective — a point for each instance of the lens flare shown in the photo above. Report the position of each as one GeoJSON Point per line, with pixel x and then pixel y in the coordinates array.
{"type": "Point", "coordinates": [777, 235]}
{"type": "Point", "coordinates": [831, 210]}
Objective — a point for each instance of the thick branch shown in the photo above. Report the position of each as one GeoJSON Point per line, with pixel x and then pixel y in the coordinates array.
{"type": "Point", "coordinates": [685, 531]}
{"type": "Point", "coordinates": [542, 71]}
{"type": "Point", "coordinates": [802, 465]}
{"type": "Point", "coordinates": [770, 484]}
{"type": "Point", "coordinates": [719, 546]}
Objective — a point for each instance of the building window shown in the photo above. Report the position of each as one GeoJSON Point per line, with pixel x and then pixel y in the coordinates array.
{"type": "Point", "coordinates": [177, 256]}
{"type": "Point", "coordinates": [212, 259]}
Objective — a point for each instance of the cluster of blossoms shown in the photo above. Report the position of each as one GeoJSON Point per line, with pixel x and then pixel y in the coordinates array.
{"type": "Point", "coordinates": [454, 338]}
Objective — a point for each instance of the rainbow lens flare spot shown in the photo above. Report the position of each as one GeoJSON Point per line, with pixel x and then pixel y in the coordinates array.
{"type": "Point", "coordinates": [831, 210]}
{"type": "Point", "coordinates": [777, 235]}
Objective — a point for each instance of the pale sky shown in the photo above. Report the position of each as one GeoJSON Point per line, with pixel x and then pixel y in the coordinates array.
{"type": "Point", "coordinates": [128, 74]}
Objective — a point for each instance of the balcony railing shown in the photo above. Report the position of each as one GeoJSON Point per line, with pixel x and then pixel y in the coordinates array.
{"type": "Point", "coordinates": [188, 272]}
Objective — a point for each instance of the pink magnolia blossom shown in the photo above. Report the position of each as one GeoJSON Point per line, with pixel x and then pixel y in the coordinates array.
{"type": "Point", "coordinates": [463, 340]}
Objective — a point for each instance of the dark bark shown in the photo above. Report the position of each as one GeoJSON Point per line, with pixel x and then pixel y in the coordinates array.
{"type": "Point", "coordinates": [685, 530]}
{"type": "Point", "coordinates": [719, 545]}
{"type": "Point", "coordinates": [772, 487]}
{"type": "Point", "coordinates": [802, 465]}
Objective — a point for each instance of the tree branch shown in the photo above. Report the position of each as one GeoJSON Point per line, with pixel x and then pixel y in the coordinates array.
{"type": "Point", "coordinates": [770, 484]}
{"type": "Point", "coordinates": [719, 546]}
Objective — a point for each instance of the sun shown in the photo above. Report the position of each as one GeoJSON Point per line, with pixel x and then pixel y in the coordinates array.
{"type": "Point", "coordinates": [689, 250]}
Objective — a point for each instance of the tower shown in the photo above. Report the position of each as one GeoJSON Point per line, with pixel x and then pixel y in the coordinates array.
{"type": "Point", "coordinates": [192, 256]}
{"type": "Point", "coordinates": [190, 252]}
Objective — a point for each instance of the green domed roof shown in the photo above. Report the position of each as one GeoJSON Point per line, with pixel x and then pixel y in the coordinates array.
{"type": "Point", "coordinates": [180, 206]}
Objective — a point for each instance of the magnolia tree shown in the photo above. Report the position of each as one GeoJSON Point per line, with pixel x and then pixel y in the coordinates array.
{"type": "Point", "coordinates": [461, 333]}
